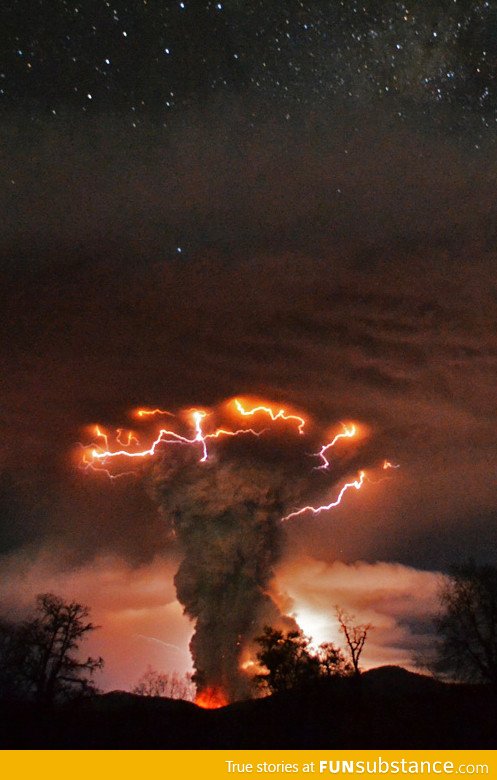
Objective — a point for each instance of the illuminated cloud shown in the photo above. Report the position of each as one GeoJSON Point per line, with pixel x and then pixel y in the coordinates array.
{"type": "Point", "coordinates": [140, 620]}
{"type": "Point", "coordinates": [398, 601]}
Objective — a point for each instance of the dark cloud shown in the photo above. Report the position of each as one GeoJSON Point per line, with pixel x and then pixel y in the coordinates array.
{"type": "Point", "coordinates": [218, 180]}
{"type": "Point", "coordinates": [417, 367]}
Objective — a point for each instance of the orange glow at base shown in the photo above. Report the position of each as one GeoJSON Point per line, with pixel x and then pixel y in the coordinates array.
{"type": "Point", "coordinates": [211, 699]}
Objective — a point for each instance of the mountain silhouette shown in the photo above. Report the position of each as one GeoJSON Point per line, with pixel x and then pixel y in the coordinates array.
{"type": "Point", "coordinates": [387, 707]}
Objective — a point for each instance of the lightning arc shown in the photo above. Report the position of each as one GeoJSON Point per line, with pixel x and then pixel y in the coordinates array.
{"type": "Point", "coordinates": [199, 436]}
{"type": "Point", "coordinates": [152, 412]}
{"type": "Point", "coordinates": [164, 437]}
{"type": "Point", "coordinates": [101, 435]}
{"type": "Point", "coordinates": [388, 465]}
{"type": "Point", "coordinates": [131, 437]}
{"type": "Point", "coordinates": [347, 434]}
{"type": "Point", "coordinates": [357, 484]}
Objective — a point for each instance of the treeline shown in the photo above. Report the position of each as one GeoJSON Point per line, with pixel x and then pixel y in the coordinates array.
{"type": "Point", "coordinates": [288, 660]}
{"type": "Point", "coordinates": [40, 656]}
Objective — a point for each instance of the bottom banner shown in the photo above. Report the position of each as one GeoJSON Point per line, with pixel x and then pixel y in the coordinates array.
{"type": "Point", "coordinates": [221, 764]}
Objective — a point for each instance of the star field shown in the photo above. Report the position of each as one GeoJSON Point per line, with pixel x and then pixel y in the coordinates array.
{"type": "Point", "coordinates": [154, 59]}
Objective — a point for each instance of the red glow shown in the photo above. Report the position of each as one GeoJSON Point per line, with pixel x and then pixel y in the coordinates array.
{"type": "Point", "coordinates": [211, 699]}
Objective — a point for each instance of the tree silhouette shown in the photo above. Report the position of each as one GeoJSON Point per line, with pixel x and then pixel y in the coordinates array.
{"type": "Point", "coordinates": [332, 661]}
{"type": "Point", "coordinates": [172, 686]}
{"type": "Point", "coordinates": [39, 655]}
{"type": "Point", "coordinates": [12, 659]}
{"type": "Point", "coordinates": [355, 636]}
{"type": "Point", "coordinates": [467, 625]}
{"type": "Point", "coordinates": [290, 661]}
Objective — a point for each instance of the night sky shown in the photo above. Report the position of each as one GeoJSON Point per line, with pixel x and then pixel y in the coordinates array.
{"type": "Point", "coordinates": [294, 201]}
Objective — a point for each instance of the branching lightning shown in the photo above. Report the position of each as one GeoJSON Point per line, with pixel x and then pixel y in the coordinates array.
{"type": "Point", "coordinates": [95, 453]}
{"type": "Point", "coordinates": [97, 456]}
{"type": "Point", "coordinates": [89, 465]}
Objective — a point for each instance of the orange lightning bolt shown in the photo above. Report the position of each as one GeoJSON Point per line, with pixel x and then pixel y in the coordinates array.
{"type": "Point", "coordinates": [199, 436]}
{"type": "Point", "coordinates": [164, 437]}
{"type": "Point", "coordinates": [348, 432]}
{"type": "Point", "coordinates": [131, 437]}
{"type": "Point", "coordinates": [152, 412]}
{"type": "Point", "coordinates": [279, 415]}
{"type": "Point", "coordinates": [101, 435]}
{"type": "Point", "coordinates": [388, 465]}
{"type": "Point", "coordinates": [89, 466]}
{"type": "Point", "coordinates": [385, 466]}
{"type": "Point", "coordinates": [357, 484]}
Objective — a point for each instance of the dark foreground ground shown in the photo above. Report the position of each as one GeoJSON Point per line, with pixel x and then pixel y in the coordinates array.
{"type": "Point", "coordinates": [389, 708]}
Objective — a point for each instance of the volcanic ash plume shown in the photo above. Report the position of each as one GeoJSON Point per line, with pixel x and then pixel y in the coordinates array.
{"type": "Point", "coordinates": [226, 507]}
{"type": "Point", "coordinates": [225, 515]}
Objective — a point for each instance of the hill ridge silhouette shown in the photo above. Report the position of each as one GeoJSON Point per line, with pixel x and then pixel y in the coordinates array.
{"type": "Point", "coordinates": [387, 707]}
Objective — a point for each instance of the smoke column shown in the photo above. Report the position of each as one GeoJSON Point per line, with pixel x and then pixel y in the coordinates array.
{"type": "Point", "coordinates": [225, 515]}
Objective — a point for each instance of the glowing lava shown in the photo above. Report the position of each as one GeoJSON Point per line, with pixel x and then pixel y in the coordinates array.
{"type": "Point", "coordinates": [211, 699]}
